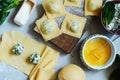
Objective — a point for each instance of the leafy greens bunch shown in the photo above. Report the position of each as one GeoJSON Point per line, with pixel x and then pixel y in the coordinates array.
{"type": "Point", "coordinates": [115, 75]}
{"type": "Point", "coordinates": [108, 12]}
{"type": "Point", "coordinates": [5, 6]}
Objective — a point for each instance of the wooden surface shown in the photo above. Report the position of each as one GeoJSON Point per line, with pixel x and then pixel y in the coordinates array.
{"type": "Point", "coordinates": [65, 42]}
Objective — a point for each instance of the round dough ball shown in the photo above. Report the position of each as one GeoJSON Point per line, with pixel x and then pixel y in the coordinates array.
{"type": "Point", "coordinates": [71, 72]}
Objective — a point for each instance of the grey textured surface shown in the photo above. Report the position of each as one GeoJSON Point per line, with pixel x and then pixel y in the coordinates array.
{"type": "Point", "coordinates": [93, 26]}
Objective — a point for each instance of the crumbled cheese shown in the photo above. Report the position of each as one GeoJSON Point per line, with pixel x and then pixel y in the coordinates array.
{"type": "Point", "coordinates": [112, 26]}
{"type": "Point", "coordinates": [18, 49]}
{"type": "Point", "coordinates": [35, 58]}
{"type": "Point", "coordinates": [53, 7]}
{"type": "Point", "coordinates": [74, 26]}
{"type": "Point", "coordinates": [46, 27]}
{"type": "Point", "coordinates": [117, 7]}
{"type": "Point", "coordinates": [118, 22]}
{"type": "Point", "coordinates": [115, 21]}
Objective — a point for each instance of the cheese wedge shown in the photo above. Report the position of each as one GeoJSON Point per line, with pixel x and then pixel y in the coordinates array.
{"type": "Point", "coordinates": [73, 25]}
{"type": "Point", "coordinates": [93, 7]}
{"type": "Point", "coordinates": [21, 62]}
{"type": "Point", "coordinates": [24, 12]}
{"type": "Point", "coordinates": [48, 28]}
{"type": "Point", "coordinates": [74, 3]}
{"type": "Point", "coordinates": [54, 8]}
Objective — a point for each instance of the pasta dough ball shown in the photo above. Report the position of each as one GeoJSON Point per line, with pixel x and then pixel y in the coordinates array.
{"type": "Point", "coordinates": [71, 72]}
{"type": "Point", "coordinates": [46, 27]}
{"type": "Point", "coordinates": [93, 5]}
{"type": "Point", "coordinates": [54, 7]}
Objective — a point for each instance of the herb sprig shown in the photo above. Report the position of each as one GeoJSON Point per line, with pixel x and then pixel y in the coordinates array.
{"type": "Point", "coordinates": [108, 12]}
{"type": "Point", "coordinates": [5, 6]}
{"type": "Point", "coordinates": [115, 75]}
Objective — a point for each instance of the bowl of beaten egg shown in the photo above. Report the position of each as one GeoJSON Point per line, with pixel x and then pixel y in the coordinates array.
{"type": "Point", "coordinates": [97, 52]}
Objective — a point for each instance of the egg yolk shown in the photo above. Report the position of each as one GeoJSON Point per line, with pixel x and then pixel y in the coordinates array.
{"type": "Point", "coordinates": [97, 52]}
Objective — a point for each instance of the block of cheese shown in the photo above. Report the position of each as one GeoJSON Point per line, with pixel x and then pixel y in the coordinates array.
{"type": "Point", "coordinates": [24, 12]}
{"type": "Point", "coordinates": [48, 28]}
{"type": "Point", "coordinates": [93, 7]}
{"type": "Point", "coordinates": [21, 62]}
{"type": "Point", "coordinates": [73, 25]}
{"type": "Point", "coordinates": [74, 3]}
{"type": "Point", "coordinates": [54, 8]}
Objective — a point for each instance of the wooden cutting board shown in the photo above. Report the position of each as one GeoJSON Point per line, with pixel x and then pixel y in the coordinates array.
{"type": "Point", "coordinates": [64, 41]}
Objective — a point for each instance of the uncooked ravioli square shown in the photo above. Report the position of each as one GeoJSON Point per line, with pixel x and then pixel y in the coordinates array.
{"type": "Point", "coordinates": [53, 15]}
{"type": "Point", "coordinates": [72, 3]}
{"type": "Point", "coordinates": [55, 32]}
{"type": "Point", "coordinates": [70, 17]}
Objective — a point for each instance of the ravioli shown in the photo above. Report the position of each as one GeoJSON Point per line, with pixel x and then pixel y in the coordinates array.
{"type": "Point", "coordinates": [73, 25]}
{"type": "Point", "coordinates": [54, 8]}
{"type": "Point", "coordinates": [21, 62]}
{"type": "Point", "coordinates": [74, 3]}
{"type": "Point", "coordinates": [93, 7]}
{"type": "Point", "coordinates": [48, 28]}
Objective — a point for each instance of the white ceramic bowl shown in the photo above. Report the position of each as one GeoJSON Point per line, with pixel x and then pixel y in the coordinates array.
{"type": "Point", "coordinates": [109, 62]}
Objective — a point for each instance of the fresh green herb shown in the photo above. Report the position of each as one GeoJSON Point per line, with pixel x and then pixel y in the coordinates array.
{"type": "Point", "coordinates": [5, 6]}
{"type": "Point", "coordinates": [117, 60]}
{"type": "Point", "coordinates": [3, 15]}
{"type": "Point", "coordinates": [108, 12]}
{"type": "Point", "coordinates": [115, 75]}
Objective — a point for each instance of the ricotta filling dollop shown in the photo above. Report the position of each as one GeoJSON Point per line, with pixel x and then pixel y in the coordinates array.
{"type": "Point", "coordinates": [18, 49]}
{"type": "Point", "coordinates": [35, 58]}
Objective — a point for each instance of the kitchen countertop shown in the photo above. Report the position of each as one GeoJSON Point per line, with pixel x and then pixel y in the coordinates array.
{"type": "Point", "coordinates": [93, 26]}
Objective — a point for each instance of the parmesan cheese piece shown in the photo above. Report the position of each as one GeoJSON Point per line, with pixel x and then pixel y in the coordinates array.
{"type": "Point", "coordinates": [74, 3]}
{"type": "Point", "coordinates": [73, 25]}
{"type": "Point", "coordinates": [48, 28]}
{"type": "Point", "coordinates": [93, 7]}
{"type": "Point", "coordinates": [23, 14]}
{"type": "Point", "coordinates": [54, 8]}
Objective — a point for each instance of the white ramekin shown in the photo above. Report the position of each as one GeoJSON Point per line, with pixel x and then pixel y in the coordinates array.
{"type": "Point", "coordinates": [109, 62]}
